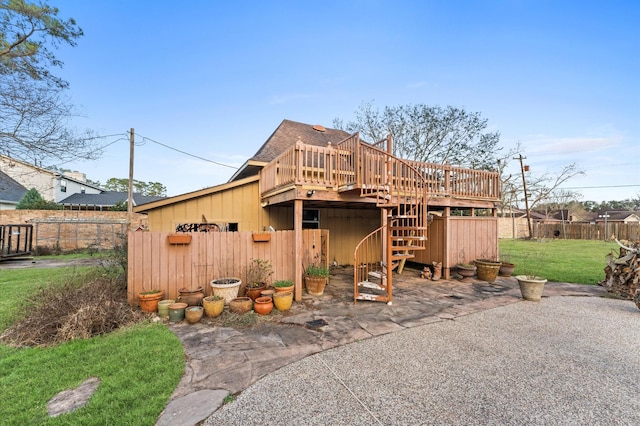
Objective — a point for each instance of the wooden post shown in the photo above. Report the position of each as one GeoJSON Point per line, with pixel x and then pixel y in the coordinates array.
{"type": "Point", "coordinates": [297, 229]}
{"type": "Point", "coordinates": [130, 194]}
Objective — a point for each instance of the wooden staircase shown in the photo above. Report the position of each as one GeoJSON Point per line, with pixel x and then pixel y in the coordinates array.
{"type": "Point", "coordinates": [401, 193]}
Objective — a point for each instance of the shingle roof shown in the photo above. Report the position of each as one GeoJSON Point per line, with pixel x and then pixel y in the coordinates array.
{"type": "Point", "coordinates": [10, 190]}
{"type": "Point", "coordinates": [107, 198]}
{"type": "Point", "coordinates": [287, 134]}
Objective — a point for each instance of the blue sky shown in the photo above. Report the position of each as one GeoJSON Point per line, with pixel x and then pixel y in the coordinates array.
{"type": "Point", "coordinates": [215, 78]}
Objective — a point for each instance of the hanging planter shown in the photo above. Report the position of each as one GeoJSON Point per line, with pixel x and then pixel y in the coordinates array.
{"type": "Point", "coordinates": [261, 237]}
{"type": "Point", "coordinates": [179, 238]}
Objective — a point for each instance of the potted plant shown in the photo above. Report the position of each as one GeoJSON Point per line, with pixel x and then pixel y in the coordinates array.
{"type": "Point", "coordinates": [283, 286]}
{"type": "Point", "coordinates": [227, 288]}
{"type": "Point", "coordinates": [149, 299]}
{"type": "Point", "coordinates": [213, 305]}
{"type": "Point", "coordinates": [487, 269]}
{"type": "Point", "coordinates": [466, 270]}
{"type": "Point", "coordinates": [315, 278]}
{"type": "Point", "coordinates": [256, 275]}
{"type": "Point", "coordinates": [506, 267]}
{"type": "Point", "coordinates": [531, 287]}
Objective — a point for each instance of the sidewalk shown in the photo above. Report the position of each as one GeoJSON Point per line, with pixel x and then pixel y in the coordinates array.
{"type": "Point", "coordinates": [224, 360]}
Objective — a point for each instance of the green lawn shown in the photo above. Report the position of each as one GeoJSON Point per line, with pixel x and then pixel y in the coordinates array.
{"type": "Point", "coordinates": [572, 261]}
{"type": "Point", "coordinates": [139, 366]}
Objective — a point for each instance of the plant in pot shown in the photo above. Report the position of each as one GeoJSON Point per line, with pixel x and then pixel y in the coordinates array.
{"type": "Point", "coordinates": [149, 299]}
{"type": "Point", "coordinates": [487, 268]}
{"type": "Point", "coordinates": [506, 267]}
{"type": "Point", "coordinates": [531, 285]}
{"type": "Point", "coordinates": [227, 288]}
{"type": "Point", "coordinates": [256, 274]}
{"type": "Point", "coordinates": [282, 286]}
{"type": "Point", "coordinates": [466, 270]}
{"type": "Point", "coordinates": [213, 305]}
{"type": "Point", "coordinates": [315, 278]}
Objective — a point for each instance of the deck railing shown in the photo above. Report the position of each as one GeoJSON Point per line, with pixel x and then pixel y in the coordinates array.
{"type": "Point", "coordinates": [343, 165]}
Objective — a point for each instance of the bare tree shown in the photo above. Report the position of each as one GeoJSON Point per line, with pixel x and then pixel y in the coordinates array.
{"type": "Point", "coordinates": [429, 133]}
{"type": "Point", "coordinates": [35, 114]}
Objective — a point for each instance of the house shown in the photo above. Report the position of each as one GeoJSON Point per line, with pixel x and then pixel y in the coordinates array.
{"type": "Point", "coordinates": [53, 186]}
{"type": "Point", "coordinates": [11, 192]}
{"type": "Point", "coordinates": [380, 210]}
{"type": "Point", "coordinates": [103, 201]}
{"type": "Point", "coordinates": [616, 216]}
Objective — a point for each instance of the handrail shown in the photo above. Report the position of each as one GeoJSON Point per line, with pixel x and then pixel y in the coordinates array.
{"type": "Point", "coordinates": [346, 164]}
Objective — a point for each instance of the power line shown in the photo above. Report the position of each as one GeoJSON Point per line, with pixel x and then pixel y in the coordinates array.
{"type": "Point", "coordinates": [186, 153]}
{"type": "Point", "coordinates": [603, 186]}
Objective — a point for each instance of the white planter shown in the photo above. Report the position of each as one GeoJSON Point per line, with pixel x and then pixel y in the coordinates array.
{"type": "Point", "coordinates": [531, 287]}
{"type": "Point", "coordinates": [227, 288]}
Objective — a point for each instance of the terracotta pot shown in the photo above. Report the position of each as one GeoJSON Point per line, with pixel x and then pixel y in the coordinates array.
{"type": "Point", "coordinates": [212, 307]}
{"type": "Point", "coordinates": [254, 292]}
{"type": "Point", "coordinates": [506, 269]}
{"type": "Point", "coordinates": [191, 297]}
{"type": "Point", "coordinates": [531, 287]}
{"type": "Point", "coordinates": [283, 300]}
{"type": "Point", "coordinates": [283, 289]}
{"type": "Point", "coordinates": [263, 305]}
{"type": "Point", "coordinates": [240, 305]}
{"type": "Point", "coordinates": [193, 314]}
{"type": "Point", "coordinates": [268, 292]}
{"type": "Point", "coordinates": [149, 301]}
{"type": "Point", "coordinates": [163, 307]}
{"type": "Point", "coordinates": [176, 311]}
{"type": "Point", "coordinates": [315, 285]}
{"type": "Point", "coordinates": [227, 288]}
{"type": "Point", "coordinates": [466, 272]}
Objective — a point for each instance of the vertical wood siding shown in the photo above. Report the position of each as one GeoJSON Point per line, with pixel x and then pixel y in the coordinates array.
{"type": "Point", "coordinates": [156, 264]}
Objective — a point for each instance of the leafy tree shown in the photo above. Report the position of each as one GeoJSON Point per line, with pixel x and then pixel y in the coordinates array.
{"type": "Point", "coordinates": [429, 133]}
{"type": "Point", "coordinates": [34, 110]}
{"type": "Point", "coordinates": [139, 187]}
{"type": "Point", "coordinates": [32, 200]}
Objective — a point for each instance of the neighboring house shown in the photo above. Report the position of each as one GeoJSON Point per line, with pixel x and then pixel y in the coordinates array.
{"type": "Point", "coordinates": [53, 186]}
{"type": "Point", "coordinates": [379, 210]}
{"type": "Point", "coordinates": [11, 192]}
{"type": "Point", "coordinates": [616, 216]}
{"type": "Point", "coordinates": [103, 201]}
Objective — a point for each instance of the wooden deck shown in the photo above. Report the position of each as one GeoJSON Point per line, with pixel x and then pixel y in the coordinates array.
{"type": "Point", "coordinates": [353, 164]}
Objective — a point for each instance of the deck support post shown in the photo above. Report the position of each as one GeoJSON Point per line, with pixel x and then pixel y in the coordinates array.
{"type": "Point", "coordinates": [298, 251]}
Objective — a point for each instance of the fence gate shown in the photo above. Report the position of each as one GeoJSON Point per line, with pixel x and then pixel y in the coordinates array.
{"type": "Point", "coordinates": [15, 240]}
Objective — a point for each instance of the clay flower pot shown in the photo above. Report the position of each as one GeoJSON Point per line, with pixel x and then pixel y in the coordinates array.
{"type": "Point", "coordinates": [149, 300]}
{"type": "Point", "coordinates": [176, 311]}
{"type": "Point", "coordinates": [263, 305]}
{"type": "Point", "coordinates": [315, 285]}
{"type": "Point", "coordinates": [213, 305]}
{"type": "Point", "coordinates": [254, 291]}
{"type": "Point", "coordinates": [487, 269]}
{"type": "Point", "coordinates": [283, 300]}
{"type": "Point", "coordinates": [240, 305]}
{"type": "Point", "coordinates": [465, 271]}
{"type": "Point", "coordinates": [191, 297]}
{"type": "Point", "coordinates": [283, 286]}
{"type": "Point", "coordinates": [193, 314]}
{"type": "Point", "coordinates": [506, 269]}
{"type": "Point", "coordinates": [163, 308]}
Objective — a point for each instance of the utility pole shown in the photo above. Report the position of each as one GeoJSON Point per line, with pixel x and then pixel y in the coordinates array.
{"type": "Point", "coordinates": [526, 197]}
{"type": "Point", "coordinates": [130, 195]}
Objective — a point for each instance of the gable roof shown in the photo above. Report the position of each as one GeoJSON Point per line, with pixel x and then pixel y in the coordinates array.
{"type": "Point", "coordinates": [616, 215]}
{"type": "Point", "coordinates": [107, 198]}
{"type": "Point", "coordinates": [285, 136]}
{"type": "Point", "coordinates": [10, 190]}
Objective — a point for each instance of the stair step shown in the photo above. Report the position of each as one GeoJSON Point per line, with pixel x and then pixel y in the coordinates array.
{"type": "Point", "coordinates": [402, 216]}
{"type": "Point", "coordinates": [372, 297]}
{"type": "Point", "coordinates": [408, 228]}
{"type": "Point", "coordinates": [371, 285]}
{"type": "Point", "coordinates": [409, 238]}
{"type": "Point", "coordinates": [400, 256]}
{"type": "Point", "coordinates": [376, 274]}
{"type": "Point", "coordinates": [394, 247]}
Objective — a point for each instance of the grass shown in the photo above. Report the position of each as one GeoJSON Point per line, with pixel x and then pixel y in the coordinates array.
{"type": "Point", "coordinates": [571, 261]}
{"type": "Point", "coordinates": [138, 367]}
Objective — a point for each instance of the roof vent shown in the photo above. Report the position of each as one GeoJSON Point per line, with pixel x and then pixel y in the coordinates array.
{"type": "Point", "coordinates": [319, 128]}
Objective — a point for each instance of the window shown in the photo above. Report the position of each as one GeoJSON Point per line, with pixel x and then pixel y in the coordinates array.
{"type": "Point", "coordinates": [63, 185]}
{"type": "Point", "coordinates": [82, 189]}
{"type": "Point", "coordinates": [310, 219]}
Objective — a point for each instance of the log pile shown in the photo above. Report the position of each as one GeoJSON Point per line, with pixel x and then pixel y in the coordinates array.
{"type": "Point", "coordinates": [622, 273]}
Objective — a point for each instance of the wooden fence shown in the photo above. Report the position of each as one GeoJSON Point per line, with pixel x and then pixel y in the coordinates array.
{"type": "Point", "coordinates": [156, 264]}
{"type": "Point", "coordinates": [587, 231]}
